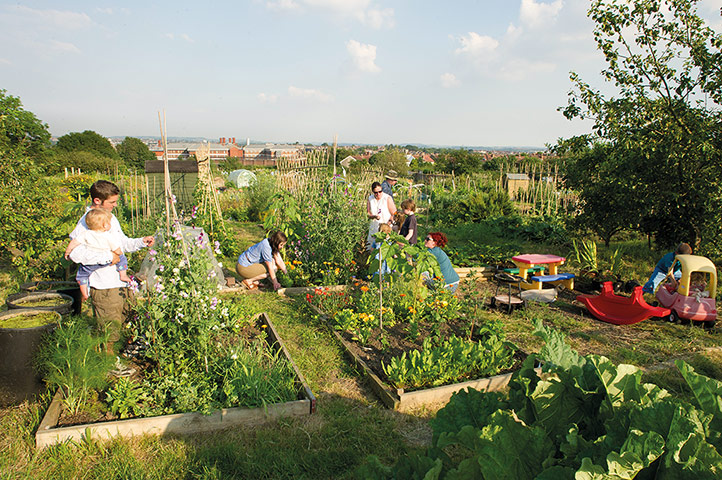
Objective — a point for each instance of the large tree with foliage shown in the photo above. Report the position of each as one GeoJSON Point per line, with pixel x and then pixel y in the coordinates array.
{"type": "Point", "coordinates": [87, 141]}
{"type": "Point", "coordinates": [135, 153]}
{"type": "Point", "coordinates": [663, 124]}
{"type": "Point", "coordinates": [390, 159]}
{"type": "Point", "coordinates": [20, 131]}
{"type": "Point", "coordinates": [458, 161]}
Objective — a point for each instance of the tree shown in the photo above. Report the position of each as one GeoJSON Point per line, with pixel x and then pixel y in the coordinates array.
{"type": "Point", "coordinates": [604, 195]}
{"type": "Point", "coordinates": [664, 121]}
{"type": "Point", "coordinates": [390, 159]}
{"type": "Point", "coordinates": [87, 141]}
{"type": "Point", "coordinates": [20, 131]}
{"type": "Point", "coordinates": [135, 153]}
{"type": "Point", "coordinates": [459, 161]}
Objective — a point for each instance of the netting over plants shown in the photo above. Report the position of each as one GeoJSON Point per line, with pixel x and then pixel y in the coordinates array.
{"type": "Point", "coordinates": [201, 255]}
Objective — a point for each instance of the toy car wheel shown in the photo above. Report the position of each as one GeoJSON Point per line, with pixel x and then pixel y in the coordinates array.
{"type": "Point", "coordinates": [493, 302]}
{"type": "Point", "coordinates": [709, 324]}
{"type": "Point", "coordinates": [673, 317]}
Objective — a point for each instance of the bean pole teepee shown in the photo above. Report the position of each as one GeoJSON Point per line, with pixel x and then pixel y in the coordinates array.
{"type": "Point", "coordinates": [209, 197]}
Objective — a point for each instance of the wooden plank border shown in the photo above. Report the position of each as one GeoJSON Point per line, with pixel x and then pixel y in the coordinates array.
{"type": "Point", "coordinates": [183, 423]}
{"type": "Point", "coordinates": [399, 400]}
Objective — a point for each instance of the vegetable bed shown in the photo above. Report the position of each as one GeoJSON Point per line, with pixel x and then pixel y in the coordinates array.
{"type": "Point", "coordinates": [50, 432]}
{"type": "Point", "coordinates": [416, 351]}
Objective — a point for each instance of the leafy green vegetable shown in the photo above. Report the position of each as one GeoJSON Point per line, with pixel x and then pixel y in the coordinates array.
{"type": "Point", "coordinates": [578, 417]}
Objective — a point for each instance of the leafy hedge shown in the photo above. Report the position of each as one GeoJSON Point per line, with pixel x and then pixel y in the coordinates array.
{"type": "Point", "coordinates": [578, 417]}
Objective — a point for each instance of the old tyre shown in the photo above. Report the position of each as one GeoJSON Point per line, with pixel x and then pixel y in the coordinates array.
{"type": "Point", "coordinates": [18, 347]}
{"type": "Point", "coordinates": [47, 301]}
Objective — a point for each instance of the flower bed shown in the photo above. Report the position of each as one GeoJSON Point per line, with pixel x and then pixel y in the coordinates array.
{"type": "Point", "coordinates": [415, 350]}
{"type": "Point", "coordinates": [49, 432]}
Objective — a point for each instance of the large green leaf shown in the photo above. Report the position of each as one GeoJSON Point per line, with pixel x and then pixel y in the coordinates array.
{"type": "Point", "coordinates": [638, 452]}
{"type": "Point", "coordinates": [690, 454]}
{"type": "Point", "coordinates": [707, 391]}
{"type": "Point", "coordinates": [623, 383]}
{"type": "Point", "coordinates": [467, 407]}
{"type": "Point", "coordinates": [556, 350]}
{"type": "Point", "coordinates": [507, 449]}
{"type": "Point", "coordinates": [558, 405]}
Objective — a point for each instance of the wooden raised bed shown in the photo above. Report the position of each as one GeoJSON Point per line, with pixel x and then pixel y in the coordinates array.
{"type": "Point", "coordinates": [400, 400]}
{"type": "Point", "coordinates": [183, 423]}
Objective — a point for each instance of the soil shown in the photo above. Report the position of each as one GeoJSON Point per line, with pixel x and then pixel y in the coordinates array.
{"type": "Point", "coordinates": [397, 341]}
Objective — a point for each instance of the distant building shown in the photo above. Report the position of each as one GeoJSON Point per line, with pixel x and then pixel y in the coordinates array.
{"type": "Point", "coordinates": [249, 154]}
{"type": "Point", "coordinates": [516, 182]}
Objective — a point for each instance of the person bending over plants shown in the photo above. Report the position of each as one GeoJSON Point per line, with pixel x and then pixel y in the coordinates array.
{"type": "Point", "coordinates": [434, 242]}
{"type": "Point", "coordinates": [262, 260]}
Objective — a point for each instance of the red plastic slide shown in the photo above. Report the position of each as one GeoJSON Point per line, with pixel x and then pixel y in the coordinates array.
{"type": "Point", "coordinates": [620, 310]}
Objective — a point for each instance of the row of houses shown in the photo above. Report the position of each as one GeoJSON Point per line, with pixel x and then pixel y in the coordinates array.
{"type": "Point", "coordinates": [249, 153]}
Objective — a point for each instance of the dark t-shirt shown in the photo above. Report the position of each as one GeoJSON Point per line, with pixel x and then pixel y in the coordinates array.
{"type": "Point", "coordinates": [410, 224]}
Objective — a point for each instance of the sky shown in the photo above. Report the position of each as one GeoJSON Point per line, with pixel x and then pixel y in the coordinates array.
{"type": "Point", "coordinates": [451, 73]}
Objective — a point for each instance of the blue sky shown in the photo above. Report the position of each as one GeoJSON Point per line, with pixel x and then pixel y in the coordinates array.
{"type": "Point", "coordinates": [454, 72]}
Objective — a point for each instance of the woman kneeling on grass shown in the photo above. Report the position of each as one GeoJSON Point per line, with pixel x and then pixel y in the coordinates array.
{"type": "Point", "coordinates": [434, 242]}
{"type": "Point", "coordinates": [262, 260]}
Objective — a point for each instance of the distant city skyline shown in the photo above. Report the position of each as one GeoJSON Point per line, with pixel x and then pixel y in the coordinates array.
{"type": "Point", "coordinates": [460, 73]}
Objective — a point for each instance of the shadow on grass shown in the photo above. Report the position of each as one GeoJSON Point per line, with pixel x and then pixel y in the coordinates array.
{"type": "Point", "coordinates": [329, 444]}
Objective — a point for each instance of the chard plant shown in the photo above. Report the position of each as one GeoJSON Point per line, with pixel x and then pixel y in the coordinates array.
{"type": "Point", "coordinates": [450, 361]}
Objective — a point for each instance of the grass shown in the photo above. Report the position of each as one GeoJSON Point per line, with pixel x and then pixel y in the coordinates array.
{"type": "Point", "coordinates": [349, 423]}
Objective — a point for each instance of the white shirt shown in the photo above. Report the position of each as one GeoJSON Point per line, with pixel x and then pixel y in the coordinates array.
{"type": "Point", "coordinates": [106, 277]}
{"type": "Point", "coordinates": [97, 240]}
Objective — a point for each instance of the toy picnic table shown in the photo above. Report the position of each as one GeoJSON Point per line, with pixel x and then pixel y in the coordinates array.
{"type": "Point", "coordinates": [552, 262]}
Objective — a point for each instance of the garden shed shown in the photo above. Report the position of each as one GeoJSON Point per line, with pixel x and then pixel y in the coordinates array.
{"type": "Point", "coordinates": [242, 178]}
{"type": "Point", "coordinates": [516, 182]}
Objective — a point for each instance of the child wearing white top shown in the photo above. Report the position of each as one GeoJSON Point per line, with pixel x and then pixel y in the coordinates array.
{"type": "Point", "coordinates": [97, 238]}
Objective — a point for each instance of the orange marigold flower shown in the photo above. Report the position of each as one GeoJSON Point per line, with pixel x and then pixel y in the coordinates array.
{"type": "Point", "coordinates": [364, 288]}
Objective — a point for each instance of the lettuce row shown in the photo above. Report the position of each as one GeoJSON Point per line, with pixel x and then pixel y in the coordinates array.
{"type": "Point", "coordinates": [577, 418]}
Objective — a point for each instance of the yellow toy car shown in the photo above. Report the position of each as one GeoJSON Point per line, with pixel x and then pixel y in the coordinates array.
{"type": "Point", "coordinates": [693, 297]}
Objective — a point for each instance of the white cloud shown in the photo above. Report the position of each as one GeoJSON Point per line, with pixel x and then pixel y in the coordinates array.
{"type": "Point", "coordinates": [283, 5]}
{"type": "Point", "coordinates": [57, 18]}
{"type": "Point", "coordinates": [264, 98]}
{"type": "Point", "coordinates": [362, 10]}
{"type": "Point", "coordinates": [449, 80]}
{"type": "Point", "coordinates": [5, 61]}
{"type": "Point", "coordinates": [309, 94]}
{"type": "Point", "coordinates": [522, 69]}
{"type": "Point", "coordinates": [476, 45]}
{"type": "Point", "coordinates": [363, 56]}
{"type": "Point", "coordinates": [63, 47]}
{"type": "Point", "coordinates": [533, 14]}
{"type": "Point", "coordinates": [377, 18]}
{"type": "Point", "coordinates": [182, 36]}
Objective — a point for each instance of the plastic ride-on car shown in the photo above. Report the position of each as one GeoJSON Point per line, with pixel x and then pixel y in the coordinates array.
{"type": "Point", "coordinates": [686, 305]}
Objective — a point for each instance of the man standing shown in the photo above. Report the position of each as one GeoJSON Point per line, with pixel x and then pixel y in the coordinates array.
{"type": "Point", "coordinates": [106, 289]}
{"type": "Point", "coordinates": [391, 179]}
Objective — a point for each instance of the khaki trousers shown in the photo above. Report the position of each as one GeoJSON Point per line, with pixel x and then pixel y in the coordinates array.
{"type": "Point", "coordinates": [110, 309]}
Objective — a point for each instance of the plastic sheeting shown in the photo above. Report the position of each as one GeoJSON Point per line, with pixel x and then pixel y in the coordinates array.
{"type": "Point", "coordinates": [190, 234]}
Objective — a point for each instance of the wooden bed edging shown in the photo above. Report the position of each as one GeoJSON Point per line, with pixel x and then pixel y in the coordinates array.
{"type": "Point", "coordinates": [397, 399]}
{"type": "Point", "coordinates": [182, 423]}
